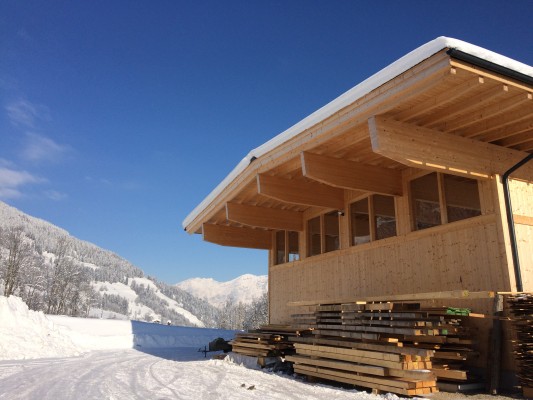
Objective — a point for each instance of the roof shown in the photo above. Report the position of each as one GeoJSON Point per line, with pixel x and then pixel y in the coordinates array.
{"type": "Point", "coordinates": [375, 81]}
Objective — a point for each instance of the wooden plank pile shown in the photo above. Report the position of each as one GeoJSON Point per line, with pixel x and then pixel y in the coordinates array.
{"type": "Point", "coordinates": [521, 309]}
{"type": "Point", "coordinates": [268, 341]}
{"type": "Point", "coordinates": [395, 347]}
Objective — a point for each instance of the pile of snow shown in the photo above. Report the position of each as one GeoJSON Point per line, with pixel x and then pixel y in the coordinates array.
{"type": "Point", "coordinates": [26, 334]}
{"type": "Point", "coordinates": [29, 334]}
{"type": "Point", "coordinates": [95, 334]}
{"type": "Point", "coordinates": [244, 289]}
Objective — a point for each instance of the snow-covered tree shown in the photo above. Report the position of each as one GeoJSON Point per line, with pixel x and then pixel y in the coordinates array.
{"type": "Point", "coordinates": [19, 256]}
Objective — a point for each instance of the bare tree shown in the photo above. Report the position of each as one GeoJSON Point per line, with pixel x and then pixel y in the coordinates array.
{"type": "Point", "coordinates": [18, 258]}
{"type": "Point", "coordinates": [34, 283]}
{"type": "Point", "coordinates": [62, 279]}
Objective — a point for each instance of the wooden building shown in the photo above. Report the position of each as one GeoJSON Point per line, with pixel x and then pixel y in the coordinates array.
{"type": "Point", "coordinates": [395, 187]}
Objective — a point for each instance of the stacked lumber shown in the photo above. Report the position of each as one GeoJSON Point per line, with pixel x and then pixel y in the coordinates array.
{"type": "Point", "coordinates": [397, 347]}
{"type": "Point", "coordinates": [521, 309]}
{"type": "Point", "coordinates": [268, 341]}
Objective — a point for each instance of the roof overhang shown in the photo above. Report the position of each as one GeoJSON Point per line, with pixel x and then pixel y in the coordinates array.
{"type": "Point", "coordinates": [412, 85]}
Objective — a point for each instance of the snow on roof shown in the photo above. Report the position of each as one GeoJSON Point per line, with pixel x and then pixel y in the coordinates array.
{"type": "Point", "coordinates": [386, 74]}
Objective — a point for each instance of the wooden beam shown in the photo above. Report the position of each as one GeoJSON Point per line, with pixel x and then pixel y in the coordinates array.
{"type": "Point", "coordinates": [300, 192]}
{"type": "Point", "coordinates": [437, 151]}
{"type": "Point", "coordinates": [265, 217]}
{"type": "Point", "coordinates": [446, 295]}
{"type": "Point", "coordinates": [523, 219]}
{"type": "Point", "coordinates": [351, 175]}
{"type": "Point", "coordinates": [237, 237]}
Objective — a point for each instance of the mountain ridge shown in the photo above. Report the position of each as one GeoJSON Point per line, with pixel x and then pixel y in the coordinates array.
{"type": "Point", "coordinates": [243, 289]}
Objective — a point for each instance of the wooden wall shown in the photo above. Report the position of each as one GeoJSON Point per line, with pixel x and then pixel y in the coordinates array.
{"type": "Point", "coordinates": [522, 203]}
{"type": "Point", "coordinates": [461, 255]}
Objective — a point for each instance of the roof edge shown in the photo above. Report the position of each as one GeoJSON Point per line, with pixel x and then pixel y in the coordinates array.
{"type": "Point", "coordinates": [386, 74]}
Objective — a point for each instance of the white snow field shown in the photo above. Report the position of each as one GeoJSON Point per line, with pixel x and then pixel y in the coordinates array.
{"type": "Point", "coordinates": [63, 358]}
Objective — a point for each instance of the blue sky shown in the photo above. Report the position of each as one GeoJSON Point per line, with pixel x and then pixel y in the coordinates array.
{"type": "Point", "coordinates": [118, 117]}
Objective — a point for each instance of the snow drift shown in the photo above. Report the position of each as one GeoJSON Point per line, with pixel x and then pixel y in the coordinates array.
{"type": "Point", "coordinates": [27, 334]}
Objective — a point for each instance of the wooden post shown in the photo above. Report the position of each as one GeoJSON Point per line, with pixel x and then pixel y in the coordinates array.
{"type": "Point", "coordinates": [496, 346]}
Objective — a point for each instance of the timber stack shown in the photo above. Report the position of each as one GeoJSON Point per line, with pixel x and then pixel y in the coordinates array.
{"type": "Point", "coordinates": [521, 309]}
{"type": "Point", "coordinates": [396, 347]}
{"type": "Point", "coordinates": [267, 341]}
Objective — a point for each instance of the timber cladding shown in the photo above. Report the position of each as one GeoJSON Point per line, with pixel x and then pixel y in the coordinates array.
{"type": "Point", "coordinates": [467, 257]}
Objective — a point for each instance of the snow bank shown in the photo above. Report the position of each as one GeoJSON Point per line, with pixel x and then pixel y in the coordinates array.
{"type": "Point", "coordinates": [26, 334]}
{"type": "Point", "coordinates": [29, 334]}
{"type": "Point", "coordinates": [96, 334]}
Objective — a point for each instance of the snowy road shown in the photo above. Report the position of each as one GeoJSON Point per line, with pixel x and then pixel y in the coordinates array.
{"type": "Point", "coordinates": [167, 374]}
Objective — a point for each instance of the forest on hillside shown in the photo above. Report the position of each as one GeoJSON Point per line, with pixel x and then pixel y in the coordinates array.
{"type": "Point", "coordinates": [56, 273]}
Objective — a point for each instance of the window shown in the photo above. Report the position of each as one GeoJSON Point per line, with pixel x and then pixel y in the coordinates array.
{"type": "Point", "coordinates": [360, 220]}
{"type": "Point", "coordinates": [294, 246]}
{"type": "Point", "coordinates": [280, 247]}
{"type": "Point", "coordinates": [314, 242]}
{"type": "Point", "coordinates": [372, 218]}
{"type": "Point", "coordinates": [440, 198]}
{"type": "Point", "coordinates": [384, 216]}
{"type": "Point", "coordinates": [331, 228]}
{"type": "Point", "coordinates": [323, 234]}
{"type": "Point", "coordinates": [425, 201]}
{"type": "Point", "coordinates": [462, 198]}
{"type": "Point", "coordinates": [286, 247]}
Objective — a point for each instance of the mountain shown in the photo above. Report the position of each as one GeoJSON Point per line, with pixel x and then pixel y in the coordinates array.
{"type": "Point", "coordinates": [60, 274]}
{"type": "Point", "coordinates": [244, 289]}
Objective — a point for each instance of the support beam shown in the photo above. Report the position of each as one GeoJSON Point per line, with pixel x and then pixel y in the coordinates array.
{"type": "Point", "coordinates": [437, 151]}
{"type": "Point", "coordinates": [351, 175]}
{"type": "Point", "coordinates": [237, 237]}
{"type": "Point", "coordinates": [265, 217]}
{"type": "Point", "coordinates": [300, 192]}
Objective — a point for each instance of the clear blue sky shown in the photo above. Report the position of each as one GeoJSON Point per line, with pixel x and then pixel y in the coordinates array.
{"type": "Point", "coordinates": [118, 117]}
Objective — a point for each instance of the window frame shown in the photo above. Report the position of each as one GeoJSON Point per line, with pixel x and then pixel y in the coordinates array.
{"type": "Point", "coordinates": [286, 244]}
{"type": "Point", "coordinates": [371, 219]}
{"type": "Point", "coordinates": [443, 204]}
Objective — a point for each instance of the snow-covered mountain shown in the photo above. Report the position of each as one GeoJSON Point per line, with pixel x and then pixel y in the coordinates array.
{"type": "Point", "coordinates": [106, 284]}
{"type": "Point", "coordinates": [244, 289]}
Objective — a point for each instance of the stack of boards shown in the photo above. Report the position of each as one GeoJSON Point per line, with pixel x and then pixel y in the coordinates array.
{"type": "Point", "coordinates": [268, 341]}
{"type": "Point", "coordinates": [393, 347]}
{"type": "Point", "coordinates": [521, 309]}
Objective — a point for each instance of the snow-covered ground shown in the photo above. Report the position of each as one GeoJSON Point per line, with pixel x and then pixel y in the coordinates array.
{"type": "Point", "coordinates": [43, 357]}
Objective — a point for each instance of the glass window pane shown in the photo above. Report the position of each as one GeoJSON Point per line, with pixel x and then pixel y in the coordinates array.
{"type": "Point", "coordinates": [280, 247]}
{"type": "Point", "coordinates": [331, 226]}
{"type": "Point", "coordinates": [294, 246]}
{"type": "Point", "coordinates": [313, 237]}
{"type": "Point", "coordinates": [425, 201]}
{"type": "Point", "coordinates": [384, 216]}
{"type": "Point", "coordinates": [462, 198]}
{"type": "Point", "coordinates": [360, 221]}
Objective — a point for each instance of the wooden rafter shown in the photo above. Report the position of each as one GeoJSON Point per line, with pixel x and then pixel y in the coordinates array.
{"type": "Point", "coordinates": [443, 98]}
{"type": "Point", "coordinates": [515, 140]}
{"type": "Point", "coordinates": [265, 217]}
{"type": "Point", "coordinates": [429, 149]}
{"type": "Point", "coordinates": [489, 96]}
{"type": "Point", "coordinates": [300, 192]}
{"type": "Point", "coordinates": [493, 114]}
{"type": "Point", "coordinates": [348, 174]}
{"type": "Point", "coordinates": [237, 237]}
